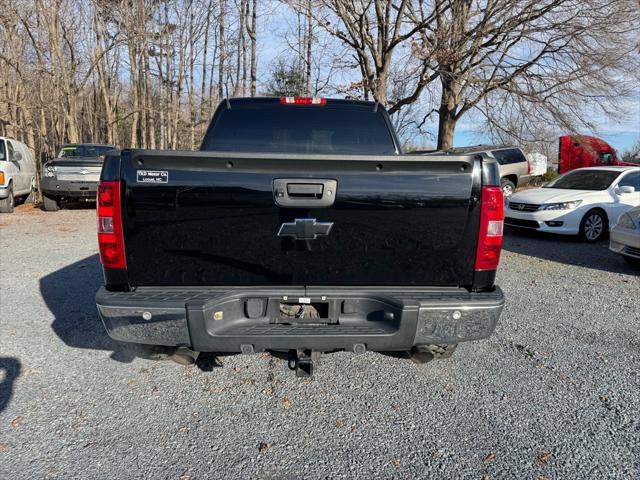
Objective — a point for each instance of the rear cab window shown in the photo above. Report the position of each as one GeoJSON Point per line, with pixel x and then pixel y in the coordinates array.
{"type": "Point", "coordinates": [509, 156]}
{"type": "Point", "coordinates": [3, 152]}
{"type": "Point", "coordinates": [270, 127]}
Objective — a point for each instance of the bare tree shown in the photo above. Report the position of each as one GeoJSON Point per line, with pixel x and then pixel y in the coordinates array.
{"type": "Point", "coordinates": [251, 31]}
{"type": "Point", "coordinates": [554, 59]}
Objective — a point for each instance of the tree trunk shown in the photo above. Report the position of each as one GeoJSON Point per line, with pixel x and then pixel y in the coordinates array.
{"type": "Point", "coordinates": [309, 41]}
{"type": "Point", "coordinates": [205, 52]}
{"type": "Point", "coordinates": [252, 37]}
{"type": "Point", "coordinates": [446, 119]}
{"type": "Point", "coordinates": [192, 84]}
{"type": "Point", "coordinates": [223, 51]}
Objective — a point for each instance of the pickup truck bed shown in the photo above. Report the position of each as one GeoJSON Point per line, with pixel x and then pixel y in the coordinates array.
{"type": "Point", "coordinates": [228, 251]}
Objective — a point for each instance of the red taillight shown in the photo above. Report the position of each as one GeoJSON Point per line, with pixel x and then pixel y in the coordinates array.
{"type": "Point", "coordinates": [491, 224]}
{"type": "Point", "coordinates": [529, 167]}
{"type": "Point", "coordinates": [110, 236]}
{"type": "Point", "coordinates": [303, 100]}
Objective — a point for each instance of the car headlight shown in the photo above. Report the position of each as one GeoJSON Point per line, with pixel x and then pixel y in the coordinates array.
{"type": "Point", "coordinates": [625, 221]}
{"type": "Point", "coordinates": [50, 171]}
{"type": "Point", "coordinates": [561, 205]}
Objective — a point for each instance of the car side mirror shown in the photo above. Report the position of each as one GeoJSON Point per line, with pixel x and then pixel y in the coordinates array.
{"type": "Point", "coordinates": [17, 156]}
{"type": "Point", "coordinates": [625, 189]}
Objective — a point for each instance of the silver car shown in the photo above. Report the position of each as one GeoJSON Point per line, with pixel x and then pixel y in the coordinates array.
{"type": "Point", "coordinates": [17, 173]}
{"type": "Point", "coordinates": [625, 236]}
{"type": "Point", "coordinates": [515, 169]}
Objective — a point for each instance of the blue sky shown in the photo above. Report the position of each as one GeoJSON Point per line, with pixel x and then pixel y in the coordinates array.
{"type": "Point", "coordinates": [622, 133]}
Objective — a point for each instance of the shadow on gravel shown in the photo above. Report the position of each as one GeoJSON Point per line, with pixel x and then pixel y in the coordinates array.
{"type": "Point", "coordinates": [9, 372]}
{"type": "Point", "coordinates": [70, 295]}
{"type": "Point", "coordinates": [566, 249]}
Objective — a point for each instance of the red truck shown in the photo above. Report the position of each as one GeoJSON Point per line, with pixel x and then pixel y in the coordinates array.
{"type": "Point", "coordinates": [584, 151]}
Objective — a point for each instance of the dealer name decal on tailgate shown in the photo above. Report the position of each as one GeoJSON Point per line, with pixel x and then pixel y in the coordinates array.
{"type": "Point", "coordinates": [153, 176]}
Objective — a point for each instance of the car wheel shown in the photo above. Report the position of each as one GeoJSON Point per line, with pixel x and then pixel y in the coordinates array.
{"type": "Point", "coordinates": [508, 187]}
{"type": "Point", "coordinates": [50, 204]}
{"type": "Point", "coordinates": [593, 226]}
{"type": "Point", "coordinates": [7, 204]}
{"type": "Point", "coordinates": [426, 353]}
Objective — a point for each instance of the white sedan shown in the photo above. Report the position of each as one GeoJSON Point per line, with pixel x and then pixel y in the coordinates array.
{"type": "Point", "coordinates": [625, 237]}
{"type": "Point", "coordinates": [585, 202]}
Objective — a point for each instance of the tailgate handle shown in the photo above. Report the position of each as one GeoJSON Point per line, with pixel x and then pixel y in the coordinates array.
{"type": "Point", "coordinates": [304, 192]}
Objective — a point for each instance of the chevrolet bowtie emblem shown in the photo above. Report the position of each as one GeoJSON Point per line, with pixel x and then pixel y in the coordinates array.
{"type": "Point", "coordinates": [305, 229]}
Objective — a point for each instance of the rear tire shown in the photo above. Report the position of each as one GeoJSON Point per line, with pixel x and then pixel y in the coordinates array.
{"type": "Point", "coordinates": [508, 187]}
{"type": "Point", "coordinates": [7, 204]}
{"type": "Point", "coordinates": [50, 204]}
{"type": "Point", "coordinates": [594, 226]}
{"type": "Point", "coordinates": [425, 353]}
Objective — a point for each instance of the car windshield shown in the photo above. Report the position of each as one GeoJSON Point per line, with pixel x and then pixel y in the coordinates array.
{"type": "Point", "coordinates": [585, 180]}
{"type": "Point", "coordinates": [76, 151]}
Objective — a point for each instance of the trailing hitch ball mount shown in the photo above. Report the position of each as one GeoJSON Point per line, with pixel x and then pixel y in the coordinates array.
{"type": "Point", "coordinates": [303, 362]}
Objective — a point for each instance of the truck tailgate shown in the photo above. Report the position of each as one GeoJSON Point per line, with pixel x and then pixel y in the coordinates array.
{"type": "Point", "coordinates": [214, 219]}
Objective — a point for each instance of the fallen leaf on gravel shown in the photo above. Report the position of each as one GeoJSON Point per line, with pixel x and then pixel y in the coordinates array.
{"type": "Point", "coordinates": [395, 462]}
{"type": "Point", "coordinates": [263, 447]}
{"type": "Point", "coordinates": [489, 458]}
{"type": "Point", "coordinates": [339, 423]}
{"type": "Point", "coordinates": [16, 421]}
{"type": "Point", "coordinates": [216, 389]}
{"type": "Point", "coordinates": [4, 447]}
{"type": "Point", "coordinates": [286, 403]}
{"type": "Point", "coordinates": [184, 429]}
{"type": "Point", "coordinates": [543, 457]}
{"type": "Point", "coordinates": [542, 477]}
{"type": "Point", "coordinates": [184, 476]}
{"type": "Point", "coordinates": [353, 428]}
{"type": "Point", "coordinates": [236, 369]}
{"type": "Point", "coordinates": [486, 477]}
{"type": "Point", "coordinates": [32, 371]}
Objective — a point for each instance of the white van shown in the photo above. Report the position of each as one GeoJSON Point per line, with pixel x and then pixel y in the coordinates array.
{"type": "Point", "coordinates": [17, 173]}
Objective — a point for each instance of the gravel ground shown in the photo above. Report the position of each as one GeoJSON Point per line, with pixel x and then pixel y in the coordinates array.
{"type": "Point", "coordinates": [554, 393]}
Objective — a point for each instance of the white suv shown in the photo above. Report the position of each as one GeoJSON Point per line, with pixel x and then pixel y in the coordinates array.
{"type": "Point", "coordinates": [17, 173]}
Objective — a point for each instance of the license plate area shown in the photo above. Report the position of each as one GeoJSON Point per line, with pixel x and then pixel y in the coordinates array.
{"type": "Point", "coordinates": [292, 311]}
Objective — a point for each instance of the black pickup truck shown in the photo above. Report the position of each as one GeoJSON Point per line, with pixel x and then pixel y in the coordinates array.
{"type": "Point", "coordinates": [299, 227]}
